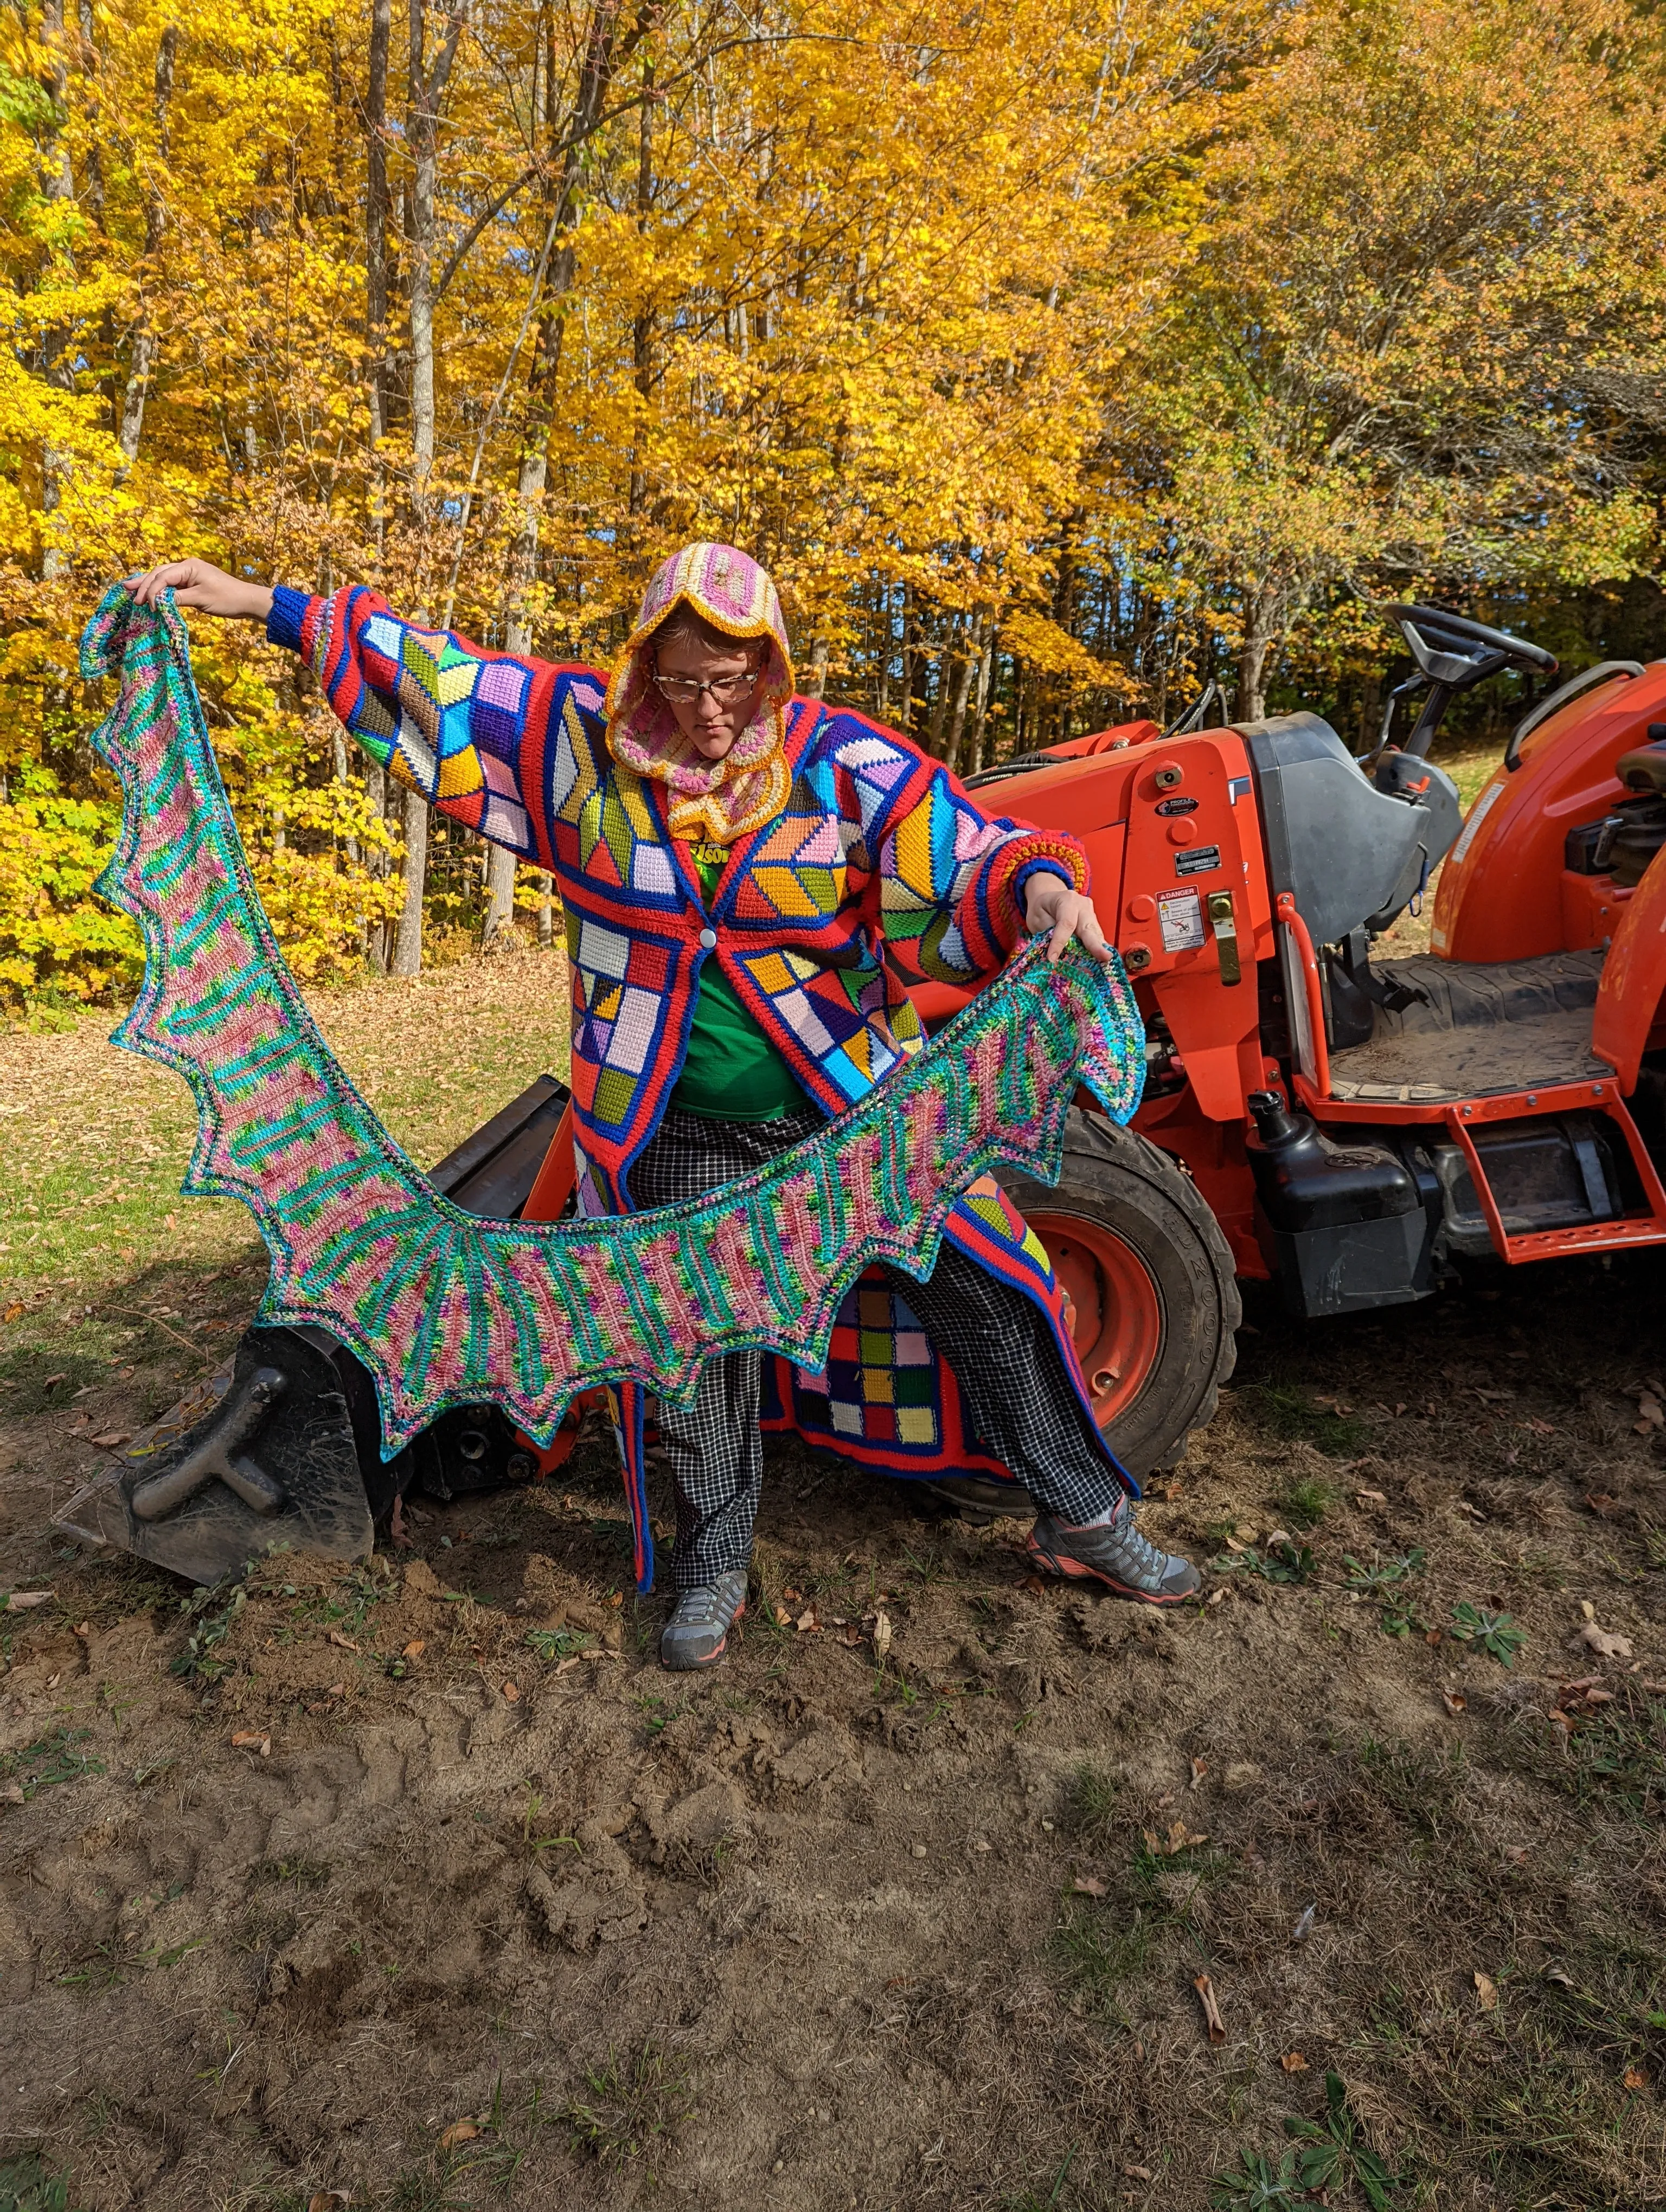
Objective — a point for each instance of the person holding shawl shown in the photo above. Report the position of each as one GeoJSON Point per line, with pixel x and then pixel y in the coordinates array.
{"type": "Point", "coordinates": [743, 871]}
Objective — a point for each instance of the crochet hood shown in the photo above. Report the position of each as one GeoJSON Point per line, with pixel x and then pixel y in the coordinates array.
{"type": "Point", "coordinates": [719, 801]}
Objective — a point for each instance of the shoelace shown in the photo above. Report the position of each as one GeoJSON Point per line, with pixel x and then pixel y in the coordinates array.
{"type": "Point", "coordinates": [1148, 1559]}
{"type": "Point", "coordinates": [703, 1608]}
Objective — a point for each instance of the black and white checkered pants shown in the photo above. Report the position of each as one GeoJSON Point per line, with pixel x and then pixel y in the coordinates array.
{"type": "Point", "coordinates": [1021, 1401]}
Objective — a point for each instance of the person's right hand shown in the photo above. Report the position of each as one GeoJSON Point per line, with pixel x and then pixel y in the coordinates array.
{"type": "Point", "coordinates": [200, 584]}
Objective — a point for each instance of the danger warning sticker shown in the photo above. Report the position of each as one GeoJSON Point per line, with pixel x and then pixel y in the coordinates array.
{"type": "Point", "coordinates": [1180, 917]}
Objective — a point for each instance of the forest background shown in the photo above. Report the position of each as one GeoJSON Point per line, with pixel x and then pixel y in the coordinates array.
{"type": "Point", "coordinates": [1059, 356]}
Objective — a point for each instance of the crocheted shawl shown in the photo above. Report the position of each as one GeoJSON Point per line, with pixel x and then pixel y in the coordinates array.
{"type": "Point", "coordinates": [445, 1308]}
{"type": "Point", "coordinates": [717, 800]}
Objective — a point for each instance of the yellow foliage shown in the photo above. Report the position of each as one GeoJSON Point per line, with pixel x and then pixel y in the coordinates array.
{"type": "Point", "coordinates": [1052, 355]}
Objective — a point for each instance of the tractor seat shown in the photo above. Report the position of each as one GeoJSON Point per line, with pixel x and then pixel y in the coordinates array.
{"type": "Point", "coordinates": [1643, 768]}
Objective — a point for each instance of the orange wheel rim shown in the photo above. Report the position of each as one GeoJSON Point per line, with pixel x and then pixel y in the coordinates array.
{"type": "Point", "coordinates": [1117, 1319]}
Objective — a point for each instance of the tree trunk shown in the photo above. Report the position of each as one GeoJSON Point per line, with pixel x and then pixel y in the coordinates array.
{"type": "Point", "coordinates": [57, 182]}
{"type": "Point", "coordinates": [408, 939]}
{"type": "Point", "coordinates": [143, 359]}
{"type": "Point", "coordinates": [971, 661]}
{"type": "Point", "coordinates": [499, 891]}
{"type": "Point", "coordinates": [537, 418]}
{"type": "Point", "coordinates": [641, 328]}
{"type": "Point", "coordinates": [427, 88]}
{"type": "Point", "coordinates": [986, 673]}
{"type": "Point", "coordinates": [1260, 634]}
{"type": "Point", "coordinates": [376, 206]}
{"type": "Point", "coordinates": [546, 909]}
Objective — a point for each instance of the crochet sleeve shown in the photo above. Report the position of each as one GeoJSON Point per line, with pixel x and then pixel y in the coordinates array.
{"type": "Point", "coordinates": [466, 727]}
{"type": "Point", "coordinates": [951, 878]}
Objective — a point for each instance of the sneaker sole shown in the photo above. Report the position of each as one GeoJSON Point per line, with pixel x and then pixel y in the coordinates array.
{"type": "Point", "coordinates": [1078, 1570]}
{"type": "Point", "coordinates": [697, 1666]}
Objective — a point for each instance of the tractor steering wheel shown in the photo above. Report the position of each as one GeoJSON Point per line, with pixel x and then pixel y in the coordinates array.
{"type": "Point", "coordinates": [1452, 650]}
{"type": "Point", "coordinates": [1451, 654]}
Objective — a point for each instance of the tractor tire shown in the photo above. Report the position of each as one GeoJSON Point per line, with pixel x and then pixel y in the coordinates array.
{"type": "Point", "coordinates": [1152, 1281]}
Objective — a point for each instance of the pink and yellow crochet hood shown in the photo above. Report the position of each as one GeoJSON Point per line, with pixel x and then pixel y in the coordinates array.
{"type": "Point", "coordinates": [717, 800]}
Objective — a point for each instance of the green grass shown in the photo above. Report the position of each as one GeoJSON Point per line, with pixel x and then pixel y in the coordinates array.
{"type": "Point", "coordinates": [52, 1759]}
{"type": "Point", "coordinates": [25, 2186]}
{"type": "Point", "coordinates": [97, 1142]}
{"type": "Point", "coordinates": [1288, 1413]}
{"type": "Point", "coordinates": [1306, 1502]}
{"type": "Point", "coordinates": [1093, 1806]}
{"type": "Point", "coordinates": [629, 2106]}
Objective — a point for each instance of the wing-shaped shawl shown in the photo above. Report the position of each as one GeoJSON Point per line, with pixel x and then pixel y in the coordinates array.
{"type": "Point", "coordinates": [444, 1309]}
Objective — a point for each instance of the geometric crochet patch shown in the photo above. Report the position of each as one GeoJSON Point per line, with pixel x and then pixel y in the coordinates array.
{"type": "Point", "coordinates": [444, 1308]}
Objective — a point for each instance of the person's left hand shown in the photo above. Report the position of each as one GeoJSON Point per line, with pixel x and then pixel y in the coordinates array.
{"type": "Point", "coordinates": [1050, 904]}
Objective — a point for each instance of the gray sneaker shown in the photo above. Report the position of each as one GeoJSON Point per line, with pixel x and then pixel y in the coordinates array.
{"type": "Point", "coordinates": [697, 1633]}
{"type": "Point", "coordinates": [1117, 1555]}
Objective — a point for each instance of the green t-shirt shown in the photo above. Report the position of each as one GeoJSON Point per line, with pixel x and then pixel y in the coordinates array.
{"type": "Point", "coordinates": [731, 1072]}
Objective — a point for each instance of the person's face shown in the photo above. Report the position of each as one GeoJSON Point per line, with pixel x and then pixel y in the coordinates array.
{"type": "Point", "coordinates": [711, 720]}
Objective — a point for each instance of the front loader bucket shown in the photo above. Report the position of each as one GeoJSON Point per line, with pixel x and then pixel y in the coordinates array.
{"type": "Point", "coordinates": [283, 1446]}
{"type": "Point", "coordinates": [263, 1453]}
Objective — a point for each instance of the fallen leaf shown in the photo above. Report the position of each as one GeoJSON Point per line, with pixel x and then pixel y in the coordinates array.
{"type": "Point", "coordinates": [1293, 2063]}
{"type": "Point", "coordinates": [84, 1628]}
{"type": "Point", "coordinates": [1035, 1585]}
{"type": "Point", "coordinates": [1650, 1413]}
{"type": "Point", "coordinates": [14, 1312]}
{"type": "Point", "coordinates": [343, 1643]}
{"type": "Point", "coordinates": [1636, 2078]}
{"type": "Point", "coordinates": [1199, 1768]}
{"type": "Point", "coordinates": [253, 1740]}
{"type": "Point", "coordinates": [52, 1382]}
{"type": "Point", "coordinates": [459, 2132]}
{"type": "Point", "coordinates": [1206, 1997]}
{"type": "Point", "coordinates": [783, 1618]}
{"type": "Point", "coordinates": [1372, 1496]}
{"type": "Point", "coordinates": [1516, 1854]}
{"type": "Point", "coordinates": [321, 2200]}
{"type": "Point", "coordinates": [112, 1439]}
{"type": "Point", "coordinates": [881, 1635]}
{"type": "Point", "coordinates": [1179, 1838]}
{"type": "Point", "coordinates": [414, 1649]}
{"type": "Point", "coordinates": [1607, 1643]}
{"type": "Point", "coordinates": [511, 1694]}
{"type": "Point", "coordinates": [1454, 1700]}
{"type": "Point", "coordinates": [1487, 1990]}
{"type": "Point", "coordinates": [11, 1793]}
{"type": "Point", "coordinates": [1219, 1596]}
{"type": "Point", "coordinates": [20, 1601]}
{"type": "Point", "coordinates": [1560, 1976]}
{"type": "Point", "coordinates": [1539, 1428]}
{"type": "Point", "coordinates": [794, 1596]}
{"type": "Point", "coordinates": [52, 1680]}
{"type": "Point", "coordinates": [1599, 1503]}
{"type": "Point", "coordinates": [806, 1623]}
{"type": "Point", "coordinates": [850, 1634]}
{"type": "Point", "coordinates": [1088, 1885]}
{"type": "Point", "coordinates": [1139, 2174]}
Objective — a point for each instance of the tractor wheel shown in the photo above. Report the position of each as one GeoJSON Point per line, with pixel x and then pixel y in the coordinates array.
{"type": "Point", "coordinates": [1150, 1278]}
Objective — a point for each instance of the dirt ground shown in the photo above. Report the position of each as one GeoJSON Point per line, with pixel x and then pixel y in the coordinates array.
{"type": "Point", "coordinates": [419, 1882]}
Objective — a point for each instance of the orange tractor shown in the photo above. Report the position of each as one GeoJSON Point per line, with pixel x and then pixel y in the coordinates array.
{"type": "Point", "coordinates": [1345, 1127]}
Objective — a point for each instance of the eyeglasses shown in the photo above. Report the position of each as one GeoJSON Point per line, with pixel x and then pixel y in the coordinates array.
{"type": "Point", "coordinates": [683, 690]}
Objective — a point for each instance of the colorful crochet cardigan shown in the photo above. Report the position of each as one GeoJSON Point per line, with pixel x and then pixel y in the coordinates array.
{"type": "Point", "coordinates": [878, 846]}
